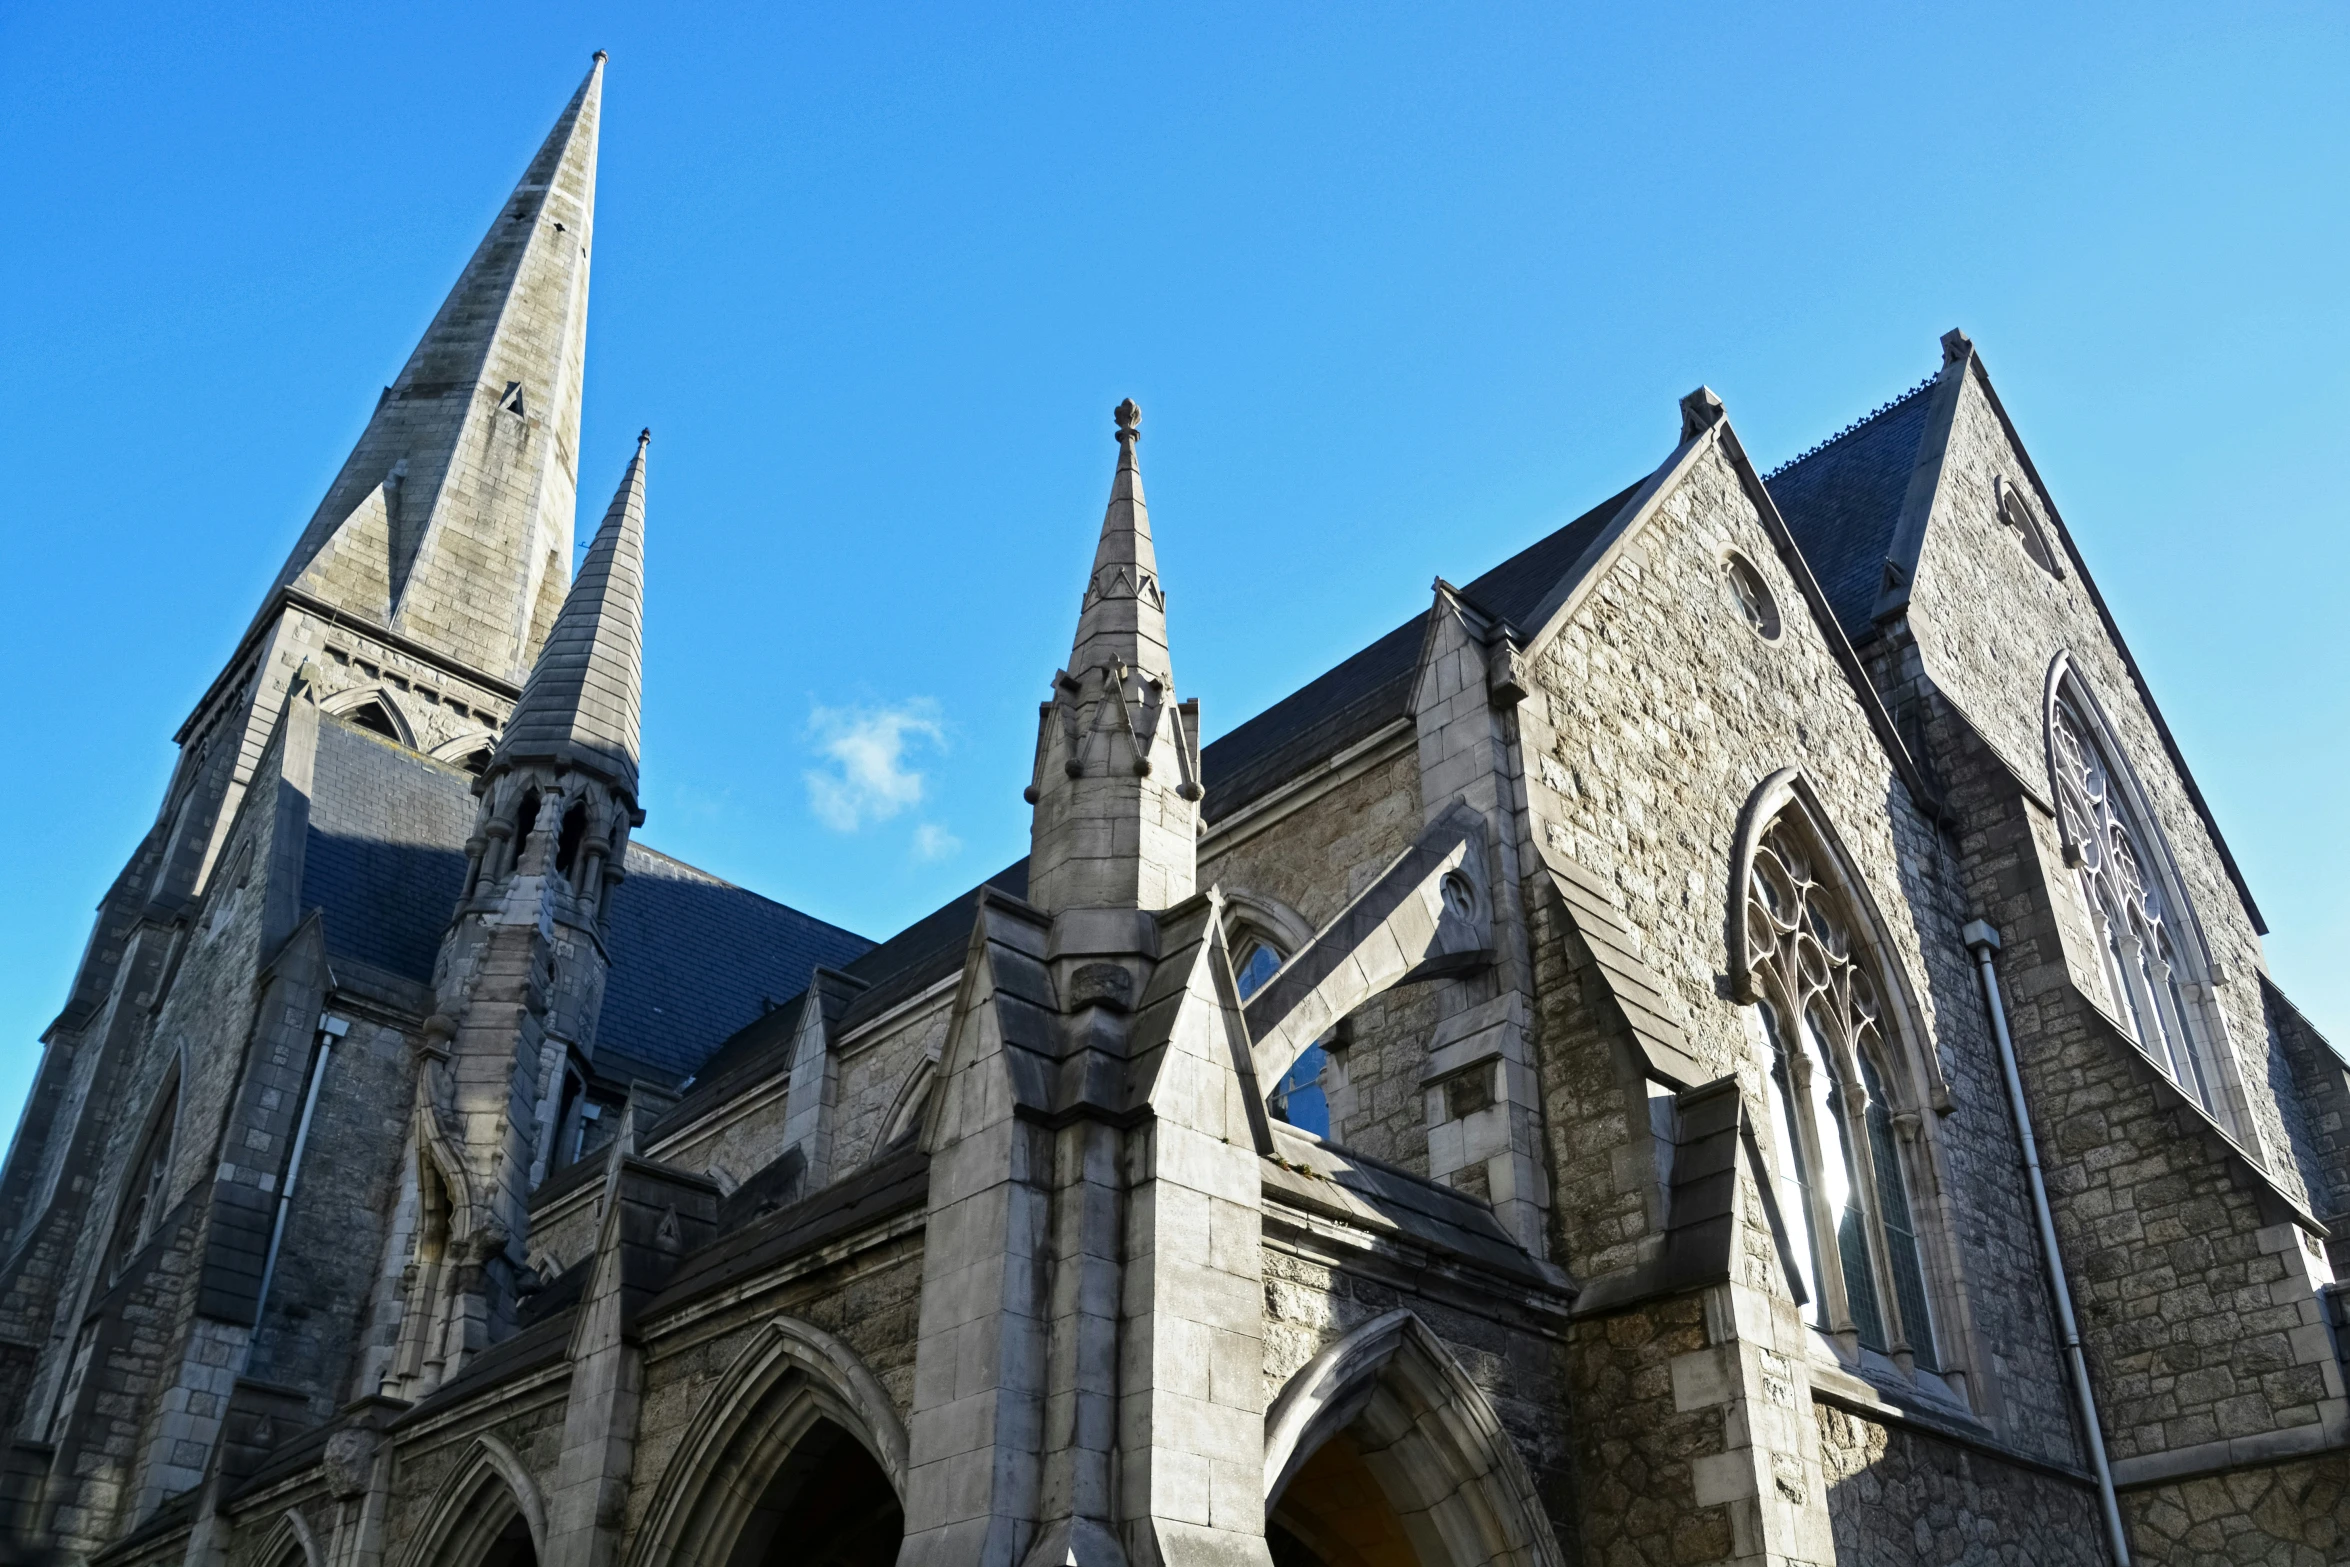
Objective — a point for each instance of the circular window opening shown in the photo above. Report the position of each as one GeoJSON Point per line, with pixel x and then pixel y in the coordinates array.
{"type": "Point", "coordinates": [1754, 598]}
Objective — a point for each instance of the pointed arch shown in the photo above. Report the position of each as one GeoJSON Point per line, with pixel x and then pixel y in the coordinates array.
{"type": "Point", "coordinates": [2150, 948]}
{"type": "Point", "coordinates": [290, 1543]}
{"type": "Point", "coordinates": [910, 1108]}
{"type": "Point", "coordinates": [470, 751]}
{"type": "Point", "coordinates": [1918, 1067]}
{"type": "Point", "coordinates": [1850, 1071]}
{"type": "Point", "coordinates": [478, 1507]}
{"type": "Point", "coordinates": [144, 1189]}
{"type": "Point", "coordinates": [1427, 1434]}
{"type": "Point", "coordinates": [1267, 918]}
{"type": "Point", "coordinates": [790, 1380]}
{"type": "Point", "coordinates": [350, 706]}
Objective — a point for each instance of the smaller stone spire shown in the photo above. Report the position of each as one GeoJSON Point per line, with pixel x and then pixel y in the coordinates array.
{"type": "Point", "coordinates": [582, 705]}
{"type": "Point", "coordinates": [1116, 788]}
{"type": "Point", "coordinates": [1124, 619]}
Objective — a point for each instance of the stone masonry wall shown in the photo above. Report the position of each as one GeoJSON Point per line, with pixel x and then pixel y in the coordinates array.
{"type": "Point", "coordinates": [1636, 1452]}
{"type": "Point", "coordinates": [1897, 1496]}
{"type": "Point", "coordinates": [2312, 1083]}
{"type": "Point", "coordinates": [344, 1196]}
{"type": "Point", "coordinates": [1606, 1211]}
{"type": "Point", "coordinates": [1988, 622]}
{"type": "Point", "coordinates": [1668, 711]}
{"type": "Point", "coordinates": [1313, 862]}
{"type": "Point", "coordinates": [874, 1074]}
{"type": "Point", "coordinates": [2198, 1316]}
{"type": "Point", "coordinates": [2285, 1515]}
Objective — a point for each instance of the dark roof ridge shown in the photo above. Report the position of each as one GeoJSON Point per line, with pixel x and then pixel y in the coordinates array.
{"type": "Point", "coordinates": [1857, 425]}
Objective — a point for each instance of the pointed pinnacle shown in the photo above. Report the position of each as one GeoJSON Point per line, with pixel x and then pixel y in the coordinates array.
{"type": "Point", "coordinates": [583, 702]}
{"type": "Point", "coordinates": [1124, 618]}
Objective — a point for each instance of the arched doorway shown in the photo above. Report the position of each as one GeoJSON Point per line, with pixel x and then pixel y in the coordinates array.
{"type": "Point", "coordinates": [511, 1546]}
{"type": "Point", "coordinates": [795, 1459]}
{"type": "Point", "coordinates": [829, 1505]}
{"type": "Point", "coordinates": [488, 1514]}
{"type": "Point", "coordinates": [1333, 1514]}
{"type": "Point", "coordinates": [1382, 1453]}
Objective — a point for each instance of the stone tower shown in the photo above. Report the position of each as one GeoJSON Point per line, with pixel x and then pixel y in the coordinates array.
{"type": "Point", "coordinates": [442, 542]}
{"type": "Point", "coordinates": [417, 597]}
{"type": "Point", "coordinates": [520, 981]}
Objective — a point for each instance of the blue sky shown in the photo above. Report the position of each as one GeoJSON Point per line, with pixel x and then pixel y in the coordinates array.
{"type": "Point", "coordinates": [1399, 289]}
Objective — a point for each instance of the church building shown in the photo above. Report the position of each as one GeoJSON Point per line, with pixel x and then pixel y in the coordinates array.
{"type": "Point", "coordinates": [1732, 1036]}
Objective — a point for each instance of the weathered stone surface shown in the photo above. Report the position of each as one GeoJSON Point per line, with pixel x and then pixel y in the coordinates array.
{"type": "Point", "coordinates": [987, 1242]}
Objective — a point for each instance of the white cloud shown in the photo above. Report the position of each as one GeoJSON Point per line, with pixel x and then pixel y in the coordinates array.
{"type": "Point", "coordinates": [933, 842]}
{"type": "Point", "coordinates": [867, 776]}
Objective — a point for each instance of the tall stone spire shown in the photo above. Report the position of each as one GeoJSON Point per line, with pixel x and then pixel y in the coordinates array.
{"type": "Point", "coordinates": [582, 705]}
{"type": "Point", "coordinates": [1117, 789]}
{"type": "Point", "coordinates": [450, 522]}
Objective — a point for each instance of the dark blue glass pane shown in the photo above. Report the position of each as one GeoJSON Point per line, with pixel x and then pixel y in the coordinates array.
{"type": "Point", "coordinates": [1308, 1109]}
{"type": "Point", "coordinates": [1298, 1098]}
{"type": "Point", "coordinates": [1255, 968]}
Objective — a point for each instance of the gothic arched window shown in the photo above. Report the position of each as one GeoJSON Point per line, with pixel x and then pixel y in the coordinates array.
{"type": "Point", "coordinates": [2144, 945]}
{"type": "Point", "coordinates": [146, 1183]}
{"type": "Point", "coordinates": [1299, 1099]}
{"type": "Point", "coordinates": [1844, 1186]}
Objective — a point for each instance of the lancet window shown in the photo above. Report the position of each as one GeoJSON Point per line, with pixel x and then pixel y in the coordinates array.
{"type": "Point", "coordinates": [1844, 1188]}
{"type": "Point", "coordinates": [149, 1177]}
{"type": "Point", "coordinates": [2142, 944]}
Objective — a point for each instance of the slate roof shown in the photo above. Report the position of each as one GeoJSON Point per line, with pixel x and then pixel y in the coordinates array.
{"type": "Point", "coordinates": [902, 967]}
{"type": "Point", "coordinates": [1364, 693]}
{"type": "Point", "coordinates": [1309, 1173]}
{"type": "Point", "coordinates": [386, 851]}
{"type": "Point", "coordinates": [694, 957]}
{"type": "Point", "coordinates": [1842, 500]}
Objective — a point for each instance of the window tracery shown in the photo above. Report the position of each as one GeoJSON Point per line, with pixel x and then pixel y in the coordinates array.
{"type": "Point", "coordinates": [1841, 1164]}
{"type": "Point", "coordinates": [2140, 940]}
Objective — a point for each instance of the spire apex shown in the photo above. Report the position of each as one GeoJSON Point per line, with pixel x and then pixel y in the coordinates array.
{"type": "Point", "coordinates": [584, 701]}
{"type": "Point", "coordinates": [456, 504]}
{"type": "Point", "coordinates": [1124, 616]}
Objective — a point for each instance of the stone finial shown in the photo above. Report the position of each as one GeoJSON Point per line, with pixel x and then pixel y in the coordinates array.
{"type": "Point", "coordinates": [601, 57]}
{"type": "Point", "coordinates": [1129, 419]}
{"type": "Point", "coordinates": [1956, 346]}
{"type": "Point", "coordinates": [644, 437]}
{"type": "Point", "coordinates": [1701, 410]}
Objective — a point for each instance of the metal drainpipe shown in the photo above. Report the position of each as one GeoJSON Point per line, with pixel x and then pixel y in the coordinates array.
{"type": "Point", "coordinates": [330, 1029]}
{"type": "Point", "coordinates": [1982, 941]}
